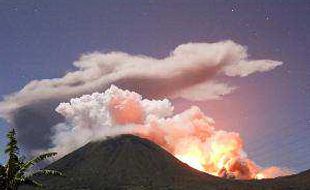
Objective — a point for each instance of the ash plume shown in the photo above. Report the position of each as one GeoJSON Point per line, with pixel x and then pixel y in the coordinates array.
{"type": "Point", "coordinates": [190, 71]}
{"type": "Point", "coordinates": [190, 136]}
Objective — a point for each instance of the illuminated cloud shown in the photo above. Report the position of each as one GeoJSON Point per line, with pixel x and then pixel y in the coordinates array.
{"type": "Point", "coordinates": [210, 90]}
{"type": "Point", "coordinates": [245, 68]}
{"type": "Point", "coordinates": [191, 136]}
{"type": "Point", "coordinates": [190, 71]}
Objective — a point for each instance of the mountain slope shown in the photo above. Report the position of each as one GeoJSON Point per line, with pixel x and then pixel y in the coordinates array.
{"type": "Point", "coordinates": [130, 162]}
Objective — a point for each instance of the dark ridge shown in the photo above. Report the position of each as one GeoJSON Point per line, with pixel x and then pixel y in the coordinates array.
{"type": "Point", "coordinates": [131, 162]}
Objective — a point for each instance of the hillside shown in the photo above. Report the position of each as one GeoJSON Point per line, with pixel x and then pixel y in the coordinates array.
{"type": "Point", "coordinates": [130, 162]}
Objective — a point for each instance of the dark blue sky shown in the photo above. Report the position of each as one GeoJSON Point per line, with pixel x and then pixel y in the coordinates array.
{"type": "Point", "coordinates": [41, 39]}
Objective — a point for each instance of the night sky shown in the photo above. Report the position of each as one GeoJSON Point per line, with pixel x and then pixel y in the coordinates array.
{"type": "Point", "coordinates": [271, 111]}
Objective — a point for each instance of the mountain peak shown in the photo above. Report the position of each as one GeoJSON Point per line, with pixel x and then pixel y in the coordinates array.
{"type": "Point", "coordinates": [123, 162]}
{"type": "Point", "coordinates": [131, 162]}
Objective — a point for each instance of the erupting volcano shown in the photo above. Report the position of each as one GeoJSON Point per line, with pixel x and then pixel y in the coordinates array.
{"type": "Point", "coordinates": [190, 136]}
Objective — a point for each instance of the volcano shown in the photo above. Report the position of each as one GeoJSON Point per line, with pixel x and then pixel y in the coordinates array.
{"type": "Point", "coordinates": [131, 162]}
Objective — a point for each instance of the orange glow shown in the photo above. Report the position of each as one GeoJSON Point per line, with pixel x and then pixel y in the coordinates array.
{"type": "Point", "coordinates": [190, 136]}
{"type": "Point", "coordinates": [194, 158]}
{"type": "Point", "coordinates": [260, 176]}
{"type": "Point", "coordinates": [126, 111]}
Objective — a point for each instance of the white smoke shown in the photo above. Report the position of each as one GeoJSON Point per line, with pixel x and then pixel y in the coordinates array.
{"type": "Point", "coordinates": [90, 117]}
{"type": "Point", "coordinates": [190, 136]}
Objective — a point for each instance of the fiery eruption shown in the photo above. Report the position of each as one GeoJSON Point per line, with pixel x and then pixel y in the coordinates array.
{"type": "Point", "coordinates": [190, 136]}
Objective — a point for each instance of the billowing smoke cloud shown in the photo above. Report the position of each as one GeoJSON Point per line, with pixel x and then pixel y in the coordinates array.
{"type": "Point", "coordinates": [190, 136]}
{"type": "Point", "coordinates": [191, 71]}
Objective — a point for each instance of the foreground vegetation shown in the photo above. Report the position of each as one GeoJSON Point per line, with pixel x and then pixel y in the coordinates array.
{"type": "Point", "coordinates": [17, 171]}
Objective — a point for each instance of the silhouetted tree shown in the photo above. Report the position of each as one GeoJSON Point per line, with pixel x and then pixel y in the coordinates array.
{"type": "Point", "coordinates": [2, 174]}
{"type": "Point", "coordinates": [16, 171]}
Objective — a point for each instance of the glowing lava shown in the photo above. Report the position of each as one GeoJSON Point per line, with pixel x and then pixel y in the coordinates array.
{"type": "Point", "coordinates": [193, 157]}
{"type": "Point", "coordinates": [190, 136]}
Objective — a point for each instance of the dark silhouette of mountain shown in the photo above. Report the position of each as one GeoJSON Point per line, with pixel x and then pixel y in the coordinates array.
{"type": "Point", "coordinates": [130, 162]}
